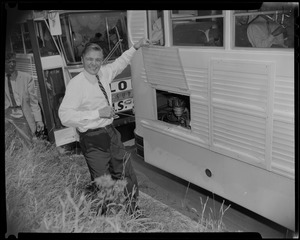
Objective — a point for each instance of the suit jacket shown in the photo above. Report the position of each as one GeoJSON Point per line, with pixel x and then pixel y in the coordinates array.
{"type": "Point", "coordinates": [28, 96]}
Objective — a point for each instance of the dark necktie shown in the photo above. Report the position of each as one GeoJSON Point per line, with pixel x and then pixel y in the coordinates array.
{"type": "Point", "coordinates": [102, 89]}
{"type": "Point", "coordinates": [14, 104]}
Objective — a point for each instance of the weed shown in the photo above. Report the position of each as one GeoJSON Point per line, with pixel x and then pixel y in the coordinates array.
{"type": "Point", "coordinates": [45, 193]}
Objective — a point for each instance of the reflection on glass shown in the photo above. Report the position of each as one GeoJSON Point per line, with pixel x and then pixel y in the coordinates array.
{"type": "Point", "coordinates": [156, 29]}
{"type": "Point", "coordinates": [45, 41]}
{"type": "Point", "coordinates": [26, 36]}
{"type": "Point", "coordinates": [20, 38]}
{"type": "Point", "coordinates": [104, 28]}
{"type": "Point", "coordinates": [55, 91]}
{"type": "Point", "coordinates": [16, 39]}
{"type": "Point", "coordinates": [199, 32]}
{"type": "Point", "coordinates": [272, 26]}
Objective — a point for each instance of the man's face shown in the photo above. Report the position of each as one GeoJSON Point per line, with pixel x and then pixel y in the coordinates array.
{"type": "Point", "coordinates": [10, 65]}
{"type": "Point", "coordinates": [92, 61]}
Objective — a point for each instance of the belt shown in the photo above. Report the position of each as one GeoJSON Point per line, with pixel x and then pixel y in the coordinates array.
{"type": "Point", "coordinates": [16, 107]}
{"type": "Point", "coordinates": [95, 129]}
{"type": "Point", "coordinates": [10, 109]}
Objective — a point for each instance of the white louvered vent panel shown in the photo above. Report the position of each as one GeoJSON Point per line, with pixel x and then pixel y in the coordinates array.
{"type": "Point", "coordinates": [163, 67]}
{"type": "Point", "coordinates": [199, 118]}
{"type": "Point", "coordinates": [239, 103]}
{"type": "Point", "coordinates": [26, 64]}
{"type": "Point", "coordinates": [239, 133]}
{"type": "Point", "coordinates": [136, 25]}
{"type": "Point", "coordinates": [283, 142]}
{"type": "Point", "coordinates": [197, 80]}
{"type": "Point", "coordinates": [284, 94]}
{"type": "Point", "coordinates": [240, 87]}
{"type": "Point", "coordinates": [283, 149]}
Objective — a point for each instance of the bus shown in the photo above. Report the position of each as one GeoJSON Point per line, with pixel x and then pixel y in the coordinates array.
{"type": "Point", "coordinates": [48, 45]}
{"type": "Point", "coordinates": [214, 107]}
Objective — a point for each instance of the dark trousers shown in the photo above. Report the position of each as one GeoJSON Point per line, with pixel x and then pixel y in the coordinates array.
{"type": "Point", "coordinates": [105, 153]}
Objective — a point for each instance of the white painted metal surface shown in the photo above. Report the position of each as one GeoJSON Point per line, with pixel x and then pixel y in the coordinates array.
{"type": "Point", "coordinates": [239, 103]}
{"type": "Point", "coordinates": [163, 67]}
{"type": "Point", "coordinates": [136, 25]}
{"type": "Point", "coordinates": [270, 195]}
{"type": "Point", "coordinates": [242, 121]}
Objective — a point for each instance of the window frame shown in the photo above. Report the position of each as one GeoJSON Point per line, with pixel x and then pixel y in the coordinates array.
{"type": "Point", "coordinates": [172, 19]}
{"type": "Point", "coordinates": [233, 32]}
{"type": "Point", "coordinates": [66, 17]}
{"type": "Point", "coordinates": [42, 26]}
{"type": "Point", "coordinates": [150, 14]}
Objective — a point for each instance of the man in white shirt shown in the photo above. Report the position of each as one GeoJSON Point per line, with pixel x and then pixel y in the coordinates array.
{"type": "Point", "coordinates": [87, 106]}
{"type": "Point", "coordinates": [22, 111]}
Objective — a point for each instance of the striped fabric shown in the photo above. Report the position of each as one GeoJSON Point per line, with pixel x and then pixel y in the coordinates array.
{"type": "Point", "coordinates": [14, 104]}
{"type": "Point", "coordinates": [102, 89]}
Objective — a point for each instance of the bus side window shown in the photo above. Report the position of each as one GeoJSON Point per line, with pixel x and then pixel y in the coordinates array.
{"type": "Point", "coordinates": [241, 26]}
{"type": "Point", "coordinates": [47, 47]}
{"type": "Point", "coordinates": [18, 36]}
{"type": "Point", "coordinates": [197, 28]}
{"type": "Point", "coordinates": [45, 41]}
{"type": "Point", "coordinates": [156, 29]}
{"type": "Point", "coordinates": [271, 26]}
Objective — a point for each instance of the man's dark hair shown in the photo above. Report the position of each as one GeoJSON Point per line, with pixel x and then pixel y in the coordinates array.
{"type": "Point", "coordinates": [98, 35]}
{"type": "Point", "coordinates": [10, 55]}
{"type": "Point", "coordinates": [91, 46]}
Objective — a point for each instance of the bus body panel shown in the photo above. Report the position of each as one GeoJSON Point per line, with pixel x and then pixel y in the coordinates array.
{"type": "Point", "coordinates": [242, 119]}
{"type": "Point", "coordinates": [263, 192]}
{"type": "Point", "coordinates": [263, 109]}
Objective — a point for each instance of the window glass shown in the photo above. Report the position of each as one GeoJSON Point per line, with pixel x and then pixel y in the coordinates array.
{"type": "Point", "coordinates": [26, 36]}
{"type": "Point", "coordinates": [271, 26]}
{"type": "Point", "coordinates": [156, 30]}
{"type": "Point", "coordinates": [16, 39]}
{"type": "Point", "coordinates": [107, 29]}
{"type": "Point", "coordinates": [197, 28]}
{"type": "Point", "coordinates": [45, 40]}
{"type": "Point", "coordinates": [55, 92]}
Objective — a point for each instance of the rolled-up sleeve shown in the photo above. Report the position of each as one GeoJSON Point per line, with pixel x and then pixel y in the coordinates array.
{"type": "Point", "coordinates": [120, 63]}
{"type": "Point", "coordinates": [69, 112]}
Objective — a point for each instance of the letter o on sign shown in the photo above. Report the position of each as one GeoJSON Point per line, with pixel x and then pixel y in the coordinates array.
{"type": "Point", "coordinates": [122, 85]}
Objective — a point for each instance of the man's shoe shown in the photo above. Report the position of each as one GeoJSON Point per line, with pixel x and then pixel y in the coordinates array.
{"type": "Point", "coordinates": [90, 191]}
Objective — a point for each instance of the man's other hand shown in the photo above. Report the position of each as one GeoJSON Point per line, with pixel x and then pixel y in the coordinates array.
{"type": "Point", "coordinates": [106, 112]}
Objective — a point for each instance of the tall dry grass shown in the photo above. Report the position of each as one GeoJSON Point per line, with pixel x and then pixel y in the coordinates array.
{"type": "Point", "coordinates": [45, 193]}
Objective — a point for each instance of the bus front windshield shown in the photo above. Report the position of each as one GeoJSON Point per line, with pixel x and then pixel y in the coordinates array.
{"type": "Point", "coordinates": [107, 29]}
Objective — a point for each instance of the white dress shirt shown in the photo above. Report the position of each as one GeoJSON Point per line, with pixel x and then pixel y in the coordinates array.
{"type": "Point", "coordinates": [13, 80]}
{"type": "Point", "coordinates": [83, 97]}
{"type": "Point", "coordinates": [17, 112]}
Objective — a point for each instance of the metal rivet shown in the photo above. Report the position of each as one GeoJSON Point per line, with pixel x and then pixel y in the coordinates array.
{"type": "Point", "coordinates": [208, 172]}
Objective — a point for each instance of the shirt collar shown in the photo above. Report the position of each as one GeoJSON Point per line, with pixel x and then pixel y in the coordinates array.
{"type": "Point", "coordinates": [13, 75]}
{"type": "Point", "coordinates": [92, 78]}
